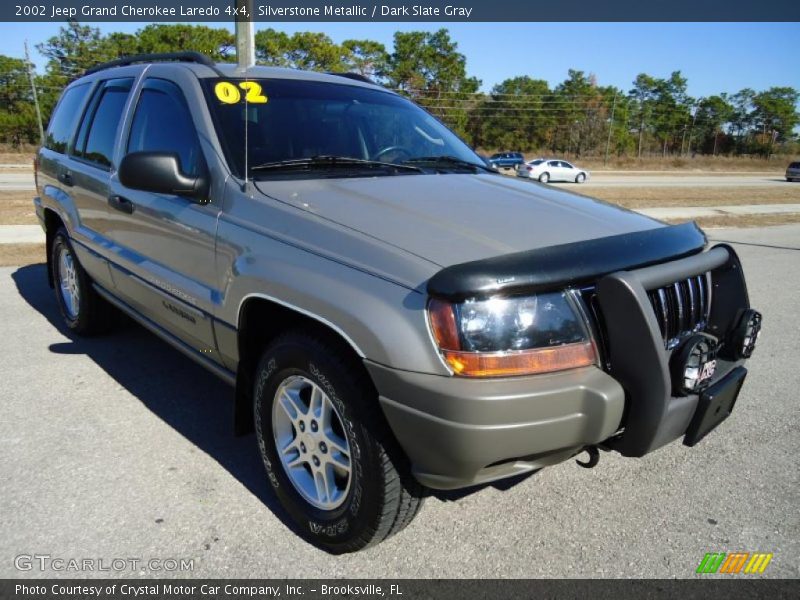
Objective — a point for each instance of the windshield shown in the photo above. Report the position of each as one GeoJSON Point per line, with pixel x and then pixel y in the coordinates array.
{"type": "Point", "coordinates": [292, 120]}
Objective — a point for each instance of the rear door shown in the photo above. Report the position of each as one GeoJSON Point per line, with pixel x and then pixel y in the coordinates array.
{"type": "Point", "coordinates": [165, 243]}
{"type": "Point", "coordinates": [91, 156]}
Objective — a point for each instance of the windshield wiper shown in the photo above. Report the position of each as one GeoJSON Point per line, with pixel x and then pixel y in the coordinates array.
{"type": "Point", "coordinates": [446, 161]}
{"type": "Point", "coordinates": [326, 161]}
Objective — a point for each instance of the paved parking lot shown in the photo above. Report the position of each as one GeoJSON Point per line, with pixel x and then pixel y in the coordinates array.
{"type": "Point", "coordinates": [120, 447]}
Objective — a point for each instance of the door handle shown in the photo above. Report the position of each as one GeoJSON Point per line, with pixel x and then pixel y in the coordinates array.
{"type": "Point", "coordinates": [66, 178]}
{"type": "Point", "coordinates": [120, 203]}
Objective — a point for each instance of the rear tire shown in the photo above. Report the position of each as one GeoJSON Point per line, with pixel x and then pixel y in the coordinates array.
{"type": "Point", "coordinates": [82, 309]}
{"type": "Point", "coordinates": [328, 452]}
{"type": "Point", "coordinates": [544, 177]}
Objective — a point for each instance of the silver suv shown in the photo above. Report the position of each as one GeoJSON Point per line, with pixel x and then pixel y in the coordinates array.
{"type": "Point", "coordinates": [393, 315]}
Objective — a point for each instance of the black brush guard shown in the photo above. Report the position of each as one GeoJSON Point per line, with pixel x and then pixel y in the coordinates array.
{"type": "Point", "coordinates": [637, 356]}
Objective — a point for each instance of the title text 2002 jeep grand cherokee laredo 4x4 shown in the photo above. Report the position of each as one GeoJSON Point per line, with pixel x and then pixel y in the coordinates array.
{"type": "Point", "coordinates": [394, 315]}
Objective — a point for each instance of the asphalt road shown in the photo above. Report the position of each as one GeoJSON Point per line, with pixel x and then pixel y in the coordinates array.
{"type": "Point", "coordinates": [684, 181]}
{"type": "Point", "coordinates": [16, 181]}
{"type": "Point", "coordinates": [120, 447]}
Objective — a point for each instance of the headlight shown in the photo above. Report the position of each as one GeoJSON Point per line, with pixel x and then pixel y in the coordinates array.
{"type": "Point", "coordinates": [505, 336]}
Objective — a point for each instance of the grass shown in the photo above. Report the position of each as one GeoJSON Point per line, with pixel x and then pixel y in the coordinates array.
{"type": "Point", "coordinates": [742, 221]}
{"type": "Point", "coordinates": [16, 208]}
{"type": "Point", "coordinates": [644, 197]}
{"type": "Point", "coordinates": [718, 164]}
{"type": "Point", "coordinates": [17, 158]}
{"type": "Point", "coordinates": [12, 255]}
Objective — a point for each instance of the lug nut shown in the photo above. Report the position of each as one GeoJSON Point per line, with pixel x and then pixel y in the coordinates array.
{"type": "Point", "coordinates": [302, 426]}
{"type": "Point", "coordinates": [314, 426]}
{"type": "Point", "coordinates": [302, 447]}
{"type": "Point", "coordinates": [316, 461]}
{"type": "Point", "coordinates": [323, 447]}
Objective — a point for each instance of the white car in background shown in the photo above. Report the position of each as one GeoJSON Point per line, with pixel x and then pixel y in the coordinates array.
{"type": "Point", "coordinates": [552, 169]}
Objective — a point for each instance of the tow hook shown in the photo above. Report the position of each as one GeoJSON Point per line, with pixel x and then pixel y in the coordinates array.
{"type": "Point", "coordinates": [594, 457]}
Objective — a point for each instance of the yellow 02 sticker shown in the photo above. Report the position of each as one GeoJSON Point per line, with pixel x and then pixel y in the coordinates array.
{"type": "Point", "coordinates": [228, 93]}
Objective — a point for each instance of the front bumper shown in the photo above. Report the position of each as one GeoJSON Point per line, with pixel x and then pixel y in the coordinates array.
{"type": "Point", "coordinates": [460, 432]}
{"type": "Point", "coordinates": [636, 353]}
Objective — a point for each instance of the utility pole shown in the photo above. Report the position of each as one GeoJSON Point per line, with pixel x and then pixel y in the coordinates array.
{"type": "Point", "coordinates": [610, 127]}
{"type": "Point", "coordinates": [691, 131]}
{"type": "Point", "coordinates": [245, 35]}
{"type": "Point", "coordinates": [29, 65]}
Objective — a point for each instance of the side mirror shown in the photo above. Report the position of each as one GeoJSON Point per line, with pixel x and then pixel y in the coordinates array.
{"type": "Point", "coordinates": [161, 172]}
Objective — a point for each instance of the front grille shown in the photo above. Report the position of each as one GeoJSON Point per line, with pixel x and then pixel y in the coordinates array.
{"type": "Point", "coordinates": [681, 308]}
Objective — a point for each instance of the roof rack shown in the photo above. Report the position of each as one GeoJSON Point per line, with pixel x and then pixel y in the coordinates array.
{"type": "Point", "coordinates": [193, 57]}
{"type": "Point", "coordinates": [354, 76]}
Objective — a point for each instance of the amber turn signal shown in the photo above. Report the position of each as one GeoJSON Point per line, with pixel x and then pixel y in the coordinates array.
{"type": "Point", "coordinates": [521, 362]}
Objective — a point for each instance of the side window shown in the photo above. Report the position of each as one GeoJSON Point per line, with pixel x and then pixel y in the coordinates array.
{"type": "Point", "coordinates": [553, 163]}
{"type": "Point", "coordinates": [99, 128]}
{"type": "Point", "coordinates": [566, 165]}
{"type": "Point", "coordinates": [162, 123]}
{"type": "Point", "coordinates": [62, 123]}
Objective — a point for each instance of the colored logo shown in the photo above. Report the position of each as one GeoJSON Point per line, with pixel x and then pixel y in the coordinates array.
{"type": "Point", "coordinates": [734, 563]}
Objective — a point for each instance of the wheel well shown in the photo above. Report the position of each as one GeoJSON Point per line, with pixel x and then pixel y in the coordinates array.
{"type": "Point", "coordinates": [52, 223]}
{"type": "Point", "coordinates": [260, 321]}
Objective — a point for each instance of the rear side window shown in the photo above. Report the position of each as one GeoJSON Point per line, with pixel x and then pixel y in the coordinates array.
{"type": "Point", "coordinates": [62, 124]}
{"type": "Point", "coordinates": [162, 123]}
{"type": "Point", "coordinates": [99, 128]}
{"type": "Point", "coordinates": [794, 165]}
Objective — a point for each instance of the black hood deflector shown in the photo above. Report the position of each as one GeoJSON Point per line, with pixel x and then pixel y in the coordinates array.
{"type": "Point", "coordinates": [573, 264]}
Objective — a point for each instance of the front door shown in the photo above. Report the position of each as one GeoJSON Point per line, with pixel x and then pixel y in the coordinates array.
{"type": "Point", "coordinates": [165, 244]}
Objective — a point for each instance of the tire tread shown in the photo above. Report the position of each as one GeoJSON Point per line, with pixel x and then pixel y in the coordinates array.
{"type": "Point", "coordinates": [403, 496]}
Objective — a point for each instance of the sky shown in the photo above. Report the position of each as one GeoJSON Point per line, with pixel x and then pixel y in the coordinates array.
{"type": "Point", "coordinates": [715, 57]}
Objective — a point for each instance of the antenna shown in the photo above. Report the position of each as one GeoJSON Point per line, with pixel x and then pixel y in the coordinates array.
{"type": "Point", "coordinates": [245, 58]}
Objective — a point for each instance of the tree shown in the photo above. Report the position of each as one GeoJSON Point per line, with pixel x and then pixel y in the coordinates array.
{"type": "Point", "coordinates": [713, 113]}
{"type": "Point", "coordinates": [671, 109]}
{"type": "Point", "coordinates": [366, 57]}
{"type": "Point", "coordinates": [75, 49]}
{"type": "Point", "coordinates": [14, 84]}
{"type": "Point", "coordinates": [17, 114]}
{"type": "Point", "coordinates": [776, 110]}
{"type": "Point", "coordinates": [643, 95]}
{"type": "Point", "coordinates": [272, 48]}
{"type": "Point", "coordinates": [581, 112]}
{"type": "Point", "coordinates": [304, 50]}
{"type": "Point", "coordinates": [512, 116]}
{"type": "Point", "coordinates": [217, 43]}
{"type": "Point", "coordinates": [315, 52]}
{"type": "Point", "coordinates": [428, 67]}
{"type": "Point", "coordinates": [742, 119]}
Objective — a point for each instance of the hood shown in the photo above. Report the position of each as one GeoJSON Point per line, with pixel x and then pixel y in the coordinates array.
{"type": "Point", "coordinates": [451, 219]}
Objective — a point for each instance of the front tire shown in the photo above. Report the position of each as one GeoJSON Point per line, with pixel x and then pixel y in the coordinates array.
{"type": "Point", "coordinates": [82, 309]}
{"type": "Point", "coordinates": [580, 178]}
{"type": "Point", "coordinates": [544, 177]}
{"type": "Point", "coordinates": [327, 450]}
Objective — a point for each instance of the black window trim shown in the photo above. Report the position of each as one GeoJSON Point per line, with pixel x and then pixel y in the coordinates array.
{"type": "Point", "coordinates": [88, 116]}
{"type": "Point", "coordinates": [72, 134]}
{"type": "Point", "coordinates": [152, 82]}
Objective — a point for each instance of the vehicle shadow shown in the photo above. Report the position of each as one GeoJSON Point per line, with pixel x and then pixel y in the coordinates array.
{"type": "Point", "coordinates": [181, 393]}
